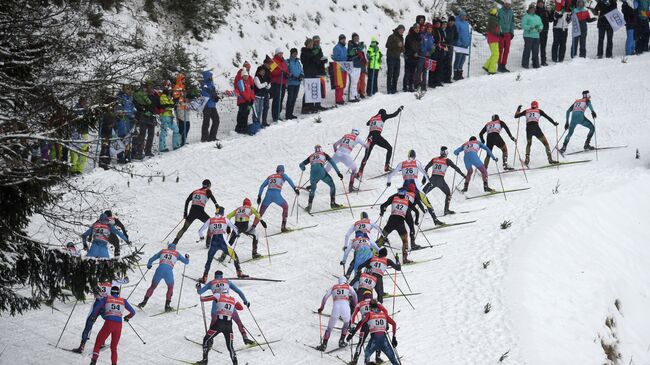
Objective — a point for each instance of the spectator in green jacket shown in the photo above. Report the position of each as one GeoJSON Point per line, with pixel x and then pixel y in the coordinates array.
{"type": "Point", "coordinates": [374, 64]}
{"type": "Point", "coordinates": [532, 25]}
{"type": "Point", "coordinates": [507, 32]}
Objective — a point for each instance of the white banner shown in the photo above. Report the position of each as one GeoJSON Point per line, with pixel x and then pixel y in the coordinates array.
{"type": "Point", "coordinates": [615, 19]}
{"type": "Point", "coordinates": [312, 90]}
{"type": "Point", "coordinates": [461, 50]}
{"type": "Point", "coordinates": [346, 66]}
{"type": "Point", "coordinates": [575, 26]}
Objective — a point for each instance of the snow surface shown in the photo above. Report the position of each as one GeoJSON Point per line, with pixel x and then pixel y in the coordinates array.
{"type": "Point", "coordinates": [552, 278]}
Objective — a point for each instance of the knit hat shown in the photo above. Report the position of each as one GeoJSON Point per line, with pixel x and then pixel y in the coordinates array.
{"type": "Point", "coordinates": [462, 12]}
{"type": "Point", "coordinates": [244, 72]}
{"type": "Point", "coordinates": [247, 65]}
{"type": "Point", "coordinates": [341, 36]}
{"type": "Point", "coordinates": [373, 40]}
{"type": "Point", "coordinates": [278, 51]}
{"type": "Point", "coordinates": [507, 2]}
{"type": "Point", "coordinates": [400, 27]}
{"type": "Point", "coordinates": [451, 18]}
{"type": "Point", "coordinates": [315, 38]}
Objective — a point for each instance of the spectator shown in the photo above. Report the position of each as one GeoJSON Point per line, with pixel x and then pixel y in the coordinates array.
{"type": "Point", "coordinates": [245, 98]}
{"type": "Point", "coordinates": [394, 49]}
{"type": "Point", "coordinates": [463, 41]}
{"type": "Point", "coordinates": [125, 114]}
{"type": "Point", "coordinates": [167, 119]}
{"type": "Point", "coordinates": [179, 94]}
{"type": "Point", "coordinates": [340, 54]}
{"type": "Point", "coordinates": [545, 15]}
{"type": "Point", "coordinates": [146, 120]}
{"type": "Point", "coordinates": [630, 24]}
{"type": "Point", "coordinates": [642, 29]}
{"type": "Point", "coordinates": [374, 64]}
{"type": "Point", "coordinates": [209, 93]}
{"type": "Point", "coordinates": [261, 88]}
{"type": "Point", "coordinates": [426, 48]}
{"type": "Point", "coordinates": [451, 34]}
{"type": "Point", "coordinates": [583, 18]}
{"type": "Point", "coordinates": [420, 20]}
{"type": "Point", "coordinates": [562, 18]}
{"type": "Point", "coordinates": [80, 129]}
{"type": "Point", "coordinates": [279, 73]}
{"type": "Point", "coordinates": [604, 28]}
{"type": "Point", "coordinates": [296, 76]}
{"type": "Point", "coordinates": [105, 133]}
{"type": "Point", "coordinates": [357, 56]}
{"type": "Point", "coordinates": [311, 64]}
{"type": "Point", "coordinates": [438, 53]}
{"type": "Point", "coordinates": [411, 54]}
{"type": "Point", "coordinates": [493, 39]}
{"type": "Point", "coordinates": [532, 25]}
{"type": "Point", "coordinates": [506, 25]}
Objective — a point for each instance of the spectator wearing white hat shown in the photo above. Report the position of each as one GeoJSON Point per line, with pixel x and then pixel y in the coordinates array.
{"type": "Point", "coordinates": [279, 73]}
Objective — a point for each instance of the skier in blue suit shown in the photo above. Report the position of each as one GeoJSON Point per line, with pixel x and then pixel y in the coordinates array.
{"type": "Point", "coordinates": [100, 231]}
{"type": "Point", "coordinates": [274, 193]}
{"type": "Point", "coordinates": [472, 160]}
{"type": "Point", "coordinates": [164, 271]}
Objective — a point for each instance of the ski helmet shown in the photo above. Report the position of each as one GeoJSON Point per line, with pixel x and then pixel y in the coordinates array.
{"type": "Point", "coordinates": [108, 213]}
{"type": "Point", "coordinates": [103, 218]}
{"type": "Point", "coordinates": [70, 244]}
{"type": "Point", "coordinates": [355, 131]}
{"type": "Point", "coordinates": [115, 290]}
{"type": "Point", "coordinates": [364, 215]}
{"type": "Point", "coordinates": [443, 151]}
{"type": "Point", "coordinates": [495, 117]}
{"type": "Point", "coordinates": [472, 138]}
{"type": "Point", "coordinates": [171, 246]}
{"type": "Point", "coordinates": [367, 294]}
{"type": "Point", "coordinates": [585, 94]}
{"type": "Point", "coordinates": [534, 104]}
{"type": "Point", "coordinates": [218, 274]}
{"type": "Point", "coordinates": [342, 280]}
{"type": "Point", "coordinates": [382, 111]}
{"type": "Point", "coordinates": [219, 211]}
{"type": "Point", "coordinates": [401, 191]}
{"type": "Point", "coordinates": [247, 202]}
{"type": "Point", "coordinates": [206, 183]}
{"type": "Point", "coordinates": [411, 154]}
{"type": "Point", "coordinates": [383, 252]}
{"type": "Point", "coordinates": [279, 169]}
{"type": "Point", "coordinates": [318, 148]}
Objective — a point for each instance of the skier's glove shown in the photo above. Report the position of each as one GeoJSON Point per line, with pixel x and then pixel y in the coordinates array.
{"type": "Point", "coordinates": [302, 167]}
{"type": "Point", "coordinates": [263, 224]}
{"type": "Point", "coordinates": [320, 310]}
{"type": "Point", "coordinates": [456, 153]}
{"type": "Point", "coordinates": [128, 242]}
{"type": "Point", "coordinates": [342, 262]}
{"type": "Point", "coordinates": [247, 304]}
{"type": "Point", "coordinates": [496, 159]}
{"type": "Point", "coordinates": [340, 175]}
{"type": "Point", "coordinates": [85, 246]}
{"type": "Point", "coordinates": [556, 124]}
{"type": "Point", "coordinates": [297, 191]}
{"type": "Point", "coordinates": [424, 180]}
{"type": "Point", "coordinates": [464, 176]}
{"type": "Point", "coordinates": [388, 184]}
{"type": "Point", "coordinates": [566, 125]}
{"type": "Point", "coordinates": [126, 235]}
{"type": "Point", "coordinates": [259, 199]}
{"type": "Point", "coordinates": [401, 107]}
{"type": "Point", "coordinates": [593, 114]}
{"type": "Point", "coordinates": [148, 267]}
{"type": "Point", "coordinates": [201, 238]}
{"type": "Point", "coordinates": [519, 108]}
{"type": "Point", "coordinates": [187, 256]}
{"type": "Point", "coordinates": [349, 337]}
{"type": "Point", "coordinates": [381, 212]}
{"type": "Point", "coordinates": [513, 139]}
{"type": "Point", "coordinates": [197, 286]}
{"type": "Point", "coordinates": [184, 215]}
{"type": "Point", "coordinates": [394, 341]}
{"type": "Point", "coordinates": [127, 318]}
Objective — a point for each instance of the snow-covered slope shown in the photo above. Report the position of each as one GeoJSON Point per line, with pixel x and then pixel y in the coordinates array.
{"type": "Point", "coordinates": [552, 278]}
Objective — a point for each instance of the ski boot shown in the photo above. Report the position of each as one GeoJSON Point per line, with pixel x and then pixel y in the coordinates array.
{"type": "Point", "coordinates": [335, 205]}
{"type": "Point", "coordinates": [449, 212]}
{"type": "Point", "coordinates": [438, 222]}
{"type": "Point", "coordinates": [589, 147]}
{"type": "Point", "coordinates": [415, 246]}
{"type": "Point", "coordinates": [465, 188]}
{"type": "Point", "coordinates": [308, 208]}
{"type": "Point", "coordinates": [81, 348]}
{"type": "Point", "coordinates": [527, 160]}
{"type": "Point", "coordinates": [487, 189]}
{"type": "Point", "coordinates": [351, 188]}
{"type": "Point", "coordinates": [256, 255]}
{"type": "Point", "coordinates": [506, 167]}
{"type": "Point", "coordinates": [562, 150]}
{"type": "Point", "coordinates": [355, 359]}
{"type": "Point", "coordinates": [322, 346]}
{"type": "Point", "coordinates": [283, 227]}
{"type": "Point", "coordinates": [241, 275]}
{"type": "Point", "coordinates": [405, 258]}
{"type": "Point", "coordinates": [202, 362]}
{"type": "Point", "coordinates": [143, 303]}
{"type": "Point", "coordinates": [247, 340]}
{"type": "Point", "coordinates": [342, 342]}
{"type": "Point", "coordinates": [551, 161]}
{"type": "Point", "coordinates": [204, 278]}
{"type": "Point", "coordinates": [168, 307]}
{"type": "Point", "coordinates": [387, 168]}
{"type": "Point", "coordinates": [93, 362]}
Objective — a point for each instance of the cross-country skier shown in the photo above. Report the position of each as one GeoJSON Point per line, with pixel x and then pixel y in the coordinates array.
{"type": "Point", "coordinates": [376, 124]}
{"type": "Point", "coordinates": [472, 160]}
{"type": "Point", "coordinates": [438, 166]}
{"type": "Point", "coordinates": [377, 265]}
{"type": "Point", "coordinates": [274, 193]}
{"type": "Point", "coordinates": [342, 295]}
{"type": "Point", "coordinates": [317, 161]}
{"type": "Point", "coordinates": [165, 271]}
{"type": "Point", "coordinates": [363, 225]}
{"type": "Point", "coordinates": [242, 217]}
{"type": "Point", "coordinates": [411, 222]}
{"type": "Point", "coordinates": [198, 198]}
{"type": "Point", "coordinates": [112, 238]}
{"type": "Point", "coordinates": [377, 322]}
{"type": "Point", "coordinates": [362, 309]}
{"type": "Point", "coordinates": [226, 307]}
{"type": "Point", "coordinates": [493, 129]}
{"type": "Point", "coordinates": [410, 169]}
{"type": "Point", "coordinates": [102, 291]}
{"type": "Point", "coordinates": [100, 232]}
{"type": "Point", "coordinates": [533, 115]}
{"type": "Point", "coordinates": [342, 149]}
{"type": "Point", "coordinates": [217, 229]}
{"type": "Point", "coordinates": [400, 206]}
{"type": "Point", "coordinates": [362, 246]}
{"type": "Point", "coordinates": [111, 308]}
{"type": "Point", "coordinates": [219, 285]}
{"type": "Point", "coordinates": [577, 113]}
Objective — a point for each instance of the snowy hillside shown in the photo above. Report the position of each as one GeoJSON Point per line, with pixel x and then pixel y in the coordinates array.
{"type": "Point", "coordinates": [551, 280]}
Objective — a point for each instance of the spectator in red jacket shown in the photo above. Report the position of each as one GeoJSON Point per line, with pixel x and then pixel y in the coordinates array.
{"type": "Point", "coordinates": [245, 99]}
{"type": "Point", "coordinates": [279, 72]}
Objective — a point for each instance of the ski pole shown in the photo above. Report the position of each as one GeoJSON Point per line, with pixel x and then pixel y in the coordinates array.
{"type": "Point", "coordinates": [258, 327]}
{"type": "Point", "coordinates": [253, 337]}
{"type": "Point", "coordinates": [136, 285]}
{"type": "Point", "coordinates": [523, 169]}
{"type": "Point", "coordinates": [394, 291]}
{"type": "Point", "coordinates": [379, 197]}
{"type": "Point", "coordinates": [180, 293]}
{"type": "Point", "coordinates": [401, 271]}
{"type": "Point", "coordinates": [399, 120]}
{"type": "Point", "coordinates": [268, 251]}
{"type": "Point", "coordinates": [453, 181]}
{"type": "Point", "coordinates": [173, 229]}
{"type": "Point", "coordinates": [205, 324]}
{"type": "Point", "coordinates": [295, 199]}
{"type": "Point", "coordinates": [136, 332]}
{"type": "Point", "coordinates": [501, 180]}
{"type": "Point", "coordinates": [400, 290]}
{"type": "Point", "coordinates": [557, 141]}
{"type": "Point", "coordinates": [596, 138]}
{"type": "Point", "coordinates": [347, 198]}
{"type": "Point", "coordinates": [66, 324]}
{"type": "Point", "coordinates": [399, 361]}
{"type": "Point", "coordinates": [320, 330]}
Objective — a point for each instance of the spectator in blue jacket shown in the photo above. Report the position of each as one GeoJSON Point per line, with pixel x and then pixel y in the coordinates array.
{"type": "Point", "coordinates": [463, 41]}
{"type": "Point", "coordinates": [426, 47]}
{"type": "Point", "coordinates": [209, 91]}
{"type": "Point", "coordinates": [294, 79]}
{"type": "Point", "coordinates": [340, 54]}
